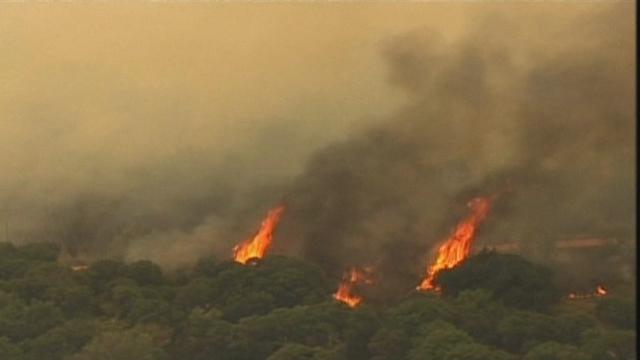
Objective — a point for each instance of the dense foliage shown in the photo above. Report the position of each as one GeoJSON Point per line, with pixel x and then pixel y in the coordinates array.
{"type": "Point", "coordinates": [513, 280]}
{"type": "Point", "coordinates": [492, 307]}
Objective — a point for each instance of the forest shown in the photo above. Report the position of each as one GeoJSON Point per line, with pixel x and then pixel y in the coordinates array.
{"type": "Point", "coordinates": [492, 306]}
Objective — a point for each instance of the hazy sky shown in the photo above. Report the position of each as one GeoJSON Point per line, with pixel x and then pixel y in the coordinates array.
{"type": "Point", "coordinates": [91, 91]}
{"type": "Point", "coordinates": [87, 88]}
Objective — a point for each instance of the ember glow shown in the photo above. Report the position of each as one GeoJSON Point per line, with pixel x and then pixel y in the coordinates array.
{"type": "Point", "coordinates": [257, 247]}
{"type": "Point", "coordinates": [600, 291]}
{"type": "Point", "coordinates": [458, 246]}
{"type": "Point", "coordinates": [350, 279]}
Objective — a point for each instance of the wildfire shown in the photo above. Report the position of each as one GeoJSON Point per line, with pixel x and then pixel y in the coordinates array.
{"type": "Point", "coordinates": [458, 245]}
{"type": "Point", "coordinates": [350, 279]}
{"type": "Point", "coordinates": [257, 247]}
{"type": "Point", "coordinates": [600, 291]}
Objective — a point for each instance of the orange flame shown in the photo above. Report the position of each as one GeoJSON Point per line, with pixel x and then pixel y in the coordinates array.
{"type": "Point", "coordinates": [601, 291]}
{"type": "Point", "coordinates": [458, 246]}
{"type": "Point", "coordinates": [257, 247]}
{"type": "Point", "coordinates": [350, 279]}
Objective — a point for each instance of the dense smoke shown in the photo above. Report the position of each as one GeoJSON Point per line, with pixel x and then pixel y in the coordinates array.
{"type": "Point", "coordinates": [538, 109]}
{"type": "Point", "coordinates": [548, 126]}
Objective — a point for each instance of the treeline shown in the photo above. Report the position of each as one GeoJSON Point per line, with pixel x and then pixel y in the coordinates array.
{"type": "Point", "coordinates": [492, 307]}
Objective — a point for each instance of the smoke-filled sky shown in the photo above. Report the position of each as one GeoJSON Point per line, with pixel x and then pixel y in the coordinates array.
{"type": "Point", "coordinates": [165, 131]}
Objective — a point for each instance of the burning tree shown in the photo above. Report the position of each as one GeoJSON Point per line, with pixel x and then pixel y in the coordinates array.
{"type": "Point", "coordinates": [350, 280]}
{"type": "Point", "coordinates": [457, 246]}
{"type": "Point", "coordinates": [257, 246]}
{"type": "Point", "coordinates": [599, 291]}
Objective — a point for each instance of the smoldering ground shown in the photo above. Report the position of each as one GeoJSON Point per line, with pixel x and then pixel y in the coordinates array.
{"type": "Point", "coordinates": [534, 104]}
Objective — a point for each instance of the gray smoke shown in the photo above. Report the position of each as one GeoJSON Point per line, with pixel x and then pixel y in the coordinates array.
{"type": "Point", "coordinates": [549, 125]}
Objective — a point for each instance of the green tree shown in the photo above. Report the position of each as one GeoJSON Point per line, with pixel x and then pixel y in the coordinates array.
{"type": "Point", "coordinates": [119, 298]}
{"type": "Point", "coordinates": [360, 328]}
{"type": "Point", "coordinates": [101, 273]}
{"type": "Point", "coordinates": [197, 292]}
{"type": "Point", "coordinates": [280, 308]}
{"type": "Point", "coordinates": [125, 345]}
{"type": "Point", "coordinates": [442, 340]}
{"type": "Point", "coordinates": [11, 268]}
{"type": "Point", "coordinates": [476, 351]}
{"type": "Point", "coordinates": [61, 341]}
{"type": "Point", "coordinates": [8, 350]}
{"type": "Point", "coordinates": [572, 326]}
{"type": "Point", "coordinates": [512, 279]}
{"type": "Point", "coordinates": [389, 344]}
{"type": "Point", "coordinates": [414, 312]}
{"type": "Point", "coordinates": [144, 273]}
{"type": "Point", "coordinates": [522, 330]}
{"type": "Point", "coordinates": [41, 277]}
{"type": "Point", "coordinates": [479, 314]}
{"type": "Point", "coordinates": [39, 252]}
{"type": "Point", "coordinates": [74, 300]}
{"type": "Point", "coordinates": [611, 344]}
{"type": "Point", "coordinates": [206, 267]}
{"type": "Point", "coordinates": [320, 325]}
{"type": "Point", "coordinates": [57, 284]}
{"type": "Point", "coordinates": [19, 321]}
{"type": "Point", "coordinates": [239, 305]}
{"type": "Point", "coordinates": [334, 353]}
{"type": "Point", "coordinates": [438, 340]}
{"type": "Point", "coordinates": [619, 312]}
{"type": "Point", "coordinates": [149, 311]}
{"type": "Point", "coordinates": [206, 336]}
{"type": "Point", "coordinates": [275, 282]}
{"type": "Point", "coordinates": [293, 351]}
{"type": "Point", "coordinates": [555, 351]}
{"type": "Point", "coordinates": [8, 299]}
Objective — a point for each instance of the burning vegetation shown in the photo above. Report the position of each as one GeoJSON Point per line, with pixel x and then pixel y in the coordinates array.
{"type": "Point", "coordinates": [457, 246]}
{"type": "Point", "coordinates": [257, 246]}
{"type": "Point", "coordinates": [351, 279]}
{"type": "Point", "coordinates": [598, 292]}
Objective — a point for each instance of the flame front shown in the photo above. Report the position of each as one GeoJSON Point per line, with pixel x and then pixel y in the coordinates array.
{"type": "Point", "coordinates": [345, 292]}
{"type": "Point", "coordinates": [458, 246]}
{"type": "Point", "coordinates": [257, 247]}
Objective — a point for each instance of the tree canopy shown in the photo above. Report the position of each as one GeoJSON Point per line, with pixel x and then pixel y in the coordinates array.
{"type": "Point", "coordinates": [513, 280]}
{"type": "Point", "coordinates": [281, 308]}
